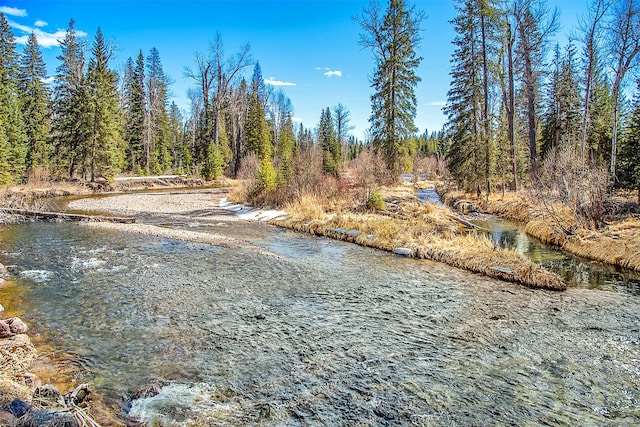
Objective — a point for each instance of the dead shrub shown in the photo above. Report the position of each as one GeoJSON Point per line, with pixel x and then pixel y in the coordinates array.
{"type": "Point", "coordinates": [565, 182]}
{"type": "Point", "coordinates": [369, 172]}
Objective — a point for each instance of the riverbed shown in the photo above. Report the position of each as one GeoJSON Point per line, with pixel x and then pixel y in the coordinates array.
{"type": "Point", "coordinates": [323, 333]}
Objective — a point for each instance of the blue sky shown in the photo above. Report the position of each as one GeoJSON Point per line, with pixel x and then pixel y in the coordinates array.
{"type": "Point", "coordinates": [308, 48]}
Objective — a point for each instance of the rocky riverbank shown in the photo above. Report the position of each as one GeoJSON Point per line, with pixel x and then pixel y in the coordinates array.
{"type": "Point", "coordinates": [24, 400]}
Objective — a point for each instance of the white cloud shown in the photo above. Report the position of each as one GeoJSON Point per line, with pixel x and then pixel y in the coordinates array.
{"type": "Point", "coordinates": [23, 28]}
{"type": "Point", "coordinates": [41, 23]}
{"type": "Point", "coordinates": [13, 11]}
{"type": "Point", "coordinates": [296, 119]}
{"type": "Point", "coordinates": [49, 80]}
{"type": "Point", "coordinates": [45, 39]}
{"type": "Point", "coordinates": [437, 103]}
{"type": "Point", "coordinates": [331, 73]}
{"type": "Point", "coordinates": [271, 81]}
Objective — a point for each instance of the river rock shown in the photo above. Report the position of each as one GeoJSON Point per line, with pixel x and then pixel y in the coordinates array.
{"type": "Point", "coordinates": [3, 269]}
{"type": "Point", "coordinates": [5, 329]}
{"type": "Point", "coordinates": [1, 309]}
{"type": "Point", "coordinates": [148, 390]}
{"type": "Point", "coordinates": [2, 282]}
{"type": "Point", "coordinates": [18, 407]}
{"type": "Point", "coordinates": [17, 325]}
{"type": "Point", "coordinates": [402, 251]}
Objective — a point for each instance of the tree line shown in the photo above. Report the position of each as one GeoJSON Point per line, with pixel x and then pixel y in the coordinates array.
{"type": "Point", "coordinates": [94, 123]}
{"type": "Point", "coordinates": [522, 112]}
{"type": "Point", "coordinates": [519, 106]}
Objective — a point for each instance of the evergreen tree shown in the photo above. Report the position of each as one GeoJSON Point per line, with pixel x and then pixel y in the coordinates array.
{"type": "Point", "coordinates": [534, 26]}
{"type": "Point", "coordinates": [135, 113]}
{"type": "Point", "coordinates": [257, 131]}
{"type": "Point", "coordinates": [71, 107]}
{"type": "Point", "coordinates": [562, 116]}
{"type": "Point", "coordinates": [267, 177]}
{"type": "Point", "coordinates": [35, 105]}
{"type": "Point", "coordinates": [157, 82]}
{"type": "Point", "coordinates": [285, 152]}
{"type": "Point", "coordinates": [5, 150]}
{"type": "Point", "coordinates": [464, 101]}
{"type": "Point", "coordinates": [14, 138]}
{"type": "Point", "coordinates": [180, 152]}
{"type": "Point", "coordinates": [629, 157]}
{"type": "Point", "coordinates": [393, 38]}
{"type": "Point", "coordinates": [258, 87]}
{"type": "Point", "coordinates": [600, 121]}
{"type": "Point", "coordinates": [328, 142]}
{"type": "Point", "coordinates": [106, 145]}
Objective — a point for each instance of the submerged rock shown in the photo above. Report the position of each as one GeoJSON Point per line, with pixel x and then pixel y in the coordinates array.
{"type": "Point", "coordinates": [148, 390]}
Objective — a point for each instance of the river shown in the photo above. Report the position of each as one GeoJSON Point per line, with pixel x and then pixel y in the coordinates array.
{"type": "Point", "coordinates": [327, 333]}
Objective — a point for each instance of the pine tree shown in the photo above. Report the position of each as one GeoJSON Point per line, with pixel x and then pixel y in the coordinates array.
{"type": "Point", "coordinates": [257, 132]}
{"type": "Point", "coordinates": [629, 157]}
{"type": "Point", "coordinates": [180, 152]}
{"type": "Point", "coordinates": [5, 152]}
{"type": "Point", "coordinates": [106, 145]}
{"type": "Point", "coordinates": [562, 116]}
{"type": "Point", "coordinates": [35, 105]}
{"type": "Point", "coordinates": [135, 113]}
{"type": "Point", "coordinates": [285, 152]}
{"type": "Point", "coordinates": [393, 38]}
{"type": "Point", "coordinates": [157, 82]}
{"type": "Point", "coordinates": [71, 108]}
{"type": "Point", "coordinates": [328, 142]}
{"type": "Point", "coordinates": [600, 121]}
{"type": "Point", "coordinates": [534, 26]}
{"type": "Point", "coordinates": [464, 101]}
{"type": "Point", "coordinates": [14, 138]}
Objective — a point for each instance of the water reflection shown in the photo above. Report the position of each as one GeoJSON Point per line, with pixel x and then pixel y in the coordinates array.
{"type": "Point", "coordinates": [578, 272]}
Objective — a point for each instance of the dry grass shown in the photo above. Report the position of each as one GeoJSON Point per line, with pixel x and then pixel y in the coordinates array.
{"type": "Point", "coordinates": [428, 232]}
{"type": "Point", "coordinates": [10, 390]}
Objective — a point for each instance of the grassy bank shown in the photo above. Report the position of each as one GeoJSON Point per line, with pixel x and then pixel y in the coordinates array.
{"type": "Point", "coordinates": [616, 243]}
{"type": "Point", "coordinates": [420, 231]}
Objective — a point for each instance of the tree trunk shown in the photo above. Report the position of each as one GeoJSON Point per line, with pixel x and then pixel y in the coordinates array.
{"type": "Point", "coordinates": [511, 108]}
{"type": "Point", "coordinates": [485, 109]}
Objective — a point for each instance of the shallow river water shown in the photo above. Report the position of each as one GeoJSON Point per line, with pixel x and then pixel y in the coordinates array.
{"type": "Point", "coordinates": [327, 333]}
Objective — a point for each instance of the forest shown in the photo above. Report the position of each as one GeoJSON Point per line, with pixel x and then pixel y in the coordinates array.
{"type": "Point", "coordinates": [522, 111]}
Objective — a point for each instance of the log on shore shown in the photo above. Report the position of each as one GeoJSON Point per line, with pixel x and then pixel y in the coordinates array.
{"type": "Point", "coordinates": [66, 216]}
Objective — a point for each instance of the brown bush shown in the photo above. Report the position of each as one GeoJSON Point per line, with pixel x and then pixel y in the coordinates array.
{"type": "Point", "coordinates": [584, 189]}
{"type": "Point", "coordinates": [369, 171]}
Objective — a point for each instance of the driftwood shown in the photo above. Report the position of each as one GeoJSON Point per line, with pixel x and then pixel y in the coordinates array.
{"type": "Point", "coordinates": [464, 222]}
{"type": "Point", "coordinates": [66, 216]}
